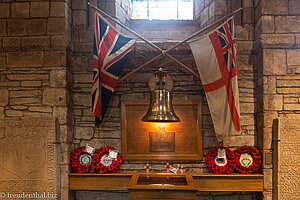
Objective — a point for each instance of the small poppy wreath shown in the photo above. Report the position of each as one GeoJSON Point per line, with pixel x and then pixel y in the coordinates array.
{"type": "Point", "coordinates": [103, 164]}
{"type": "Point", "coordinates": [248, 160]}
{"type": "Point", "coordinates": [226, 166]}
{"type": "Point", "coordinates": [81, 161]}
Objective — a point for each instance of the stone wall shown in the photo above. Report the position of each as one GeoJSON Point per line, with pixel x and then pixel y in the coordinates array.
{"type": "Point", "coordinates": [277, 49]}
{"type": "Point", "coordinates": [34, 48]}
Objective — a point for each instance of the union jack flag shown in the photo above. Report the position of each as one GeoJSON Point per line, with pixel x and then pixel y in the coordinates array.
{"type": "Point", "coordinates": [111, 51]}
{"type": "Point", "coordinates": [217, 67]}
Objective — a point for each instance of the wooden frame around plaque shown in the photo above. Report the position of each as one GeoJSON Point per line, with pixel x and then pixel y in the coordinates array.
{"type": "Point", "coordinates": [187, 141]}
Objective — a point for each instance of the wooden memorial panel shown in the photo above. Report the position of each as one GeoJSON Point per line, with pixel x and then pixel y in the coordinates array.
{"type": "Point", "coordinates": [145, 141]}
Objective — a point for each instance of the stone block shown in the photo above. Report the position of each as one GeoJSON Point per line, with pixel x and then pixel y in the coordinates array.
{"type": "Point", "coordinates": [237, 141]}
{"type": "Point", "coordinates": [3, 97]}
{"type": "Point", "coordinates": [2, 112]}
{"type": "Point", "coordinates": [16, 27]}
{"type": "Point", "coordinates": [288, 83]}
{"type": "Point", "coordinates": [36, 27]}
{"type": "Point", "coordinates": [36, 43]}
{"type": "Point", "coordinates": [267, 138]}
{"type": "Point", "coordinates": [4, 10]}
{"type": "Point", "coordinates": [55, 59]}
{"type": "Point", "coordinates": [269, 84]}
{"type": "Point", "coordinates": [85, 133]}
{"type": "Point", "coordinates": [85, 34]}
{"type": "Point", "coordinates": [56, 26]}
{"type": "Point", "coordinates": [248, 15]}
{"type": "Point", "coordinates": [58, 9]}
{"type": "Point", "coordinates": [59, 42]}
{"type": "Point", "coordinates": [2, 60]}
{"type": "Point", "coordinates": [47, 109]}
{"type": "Point", "coordinates": [55, 96]}
{"type": "Point", "coordinates": [39, 9]}
{"type": "Point", "coordinates": [294, 7]}
{"type": "Point", "coordinates": [58, 78]}
{"type": "Point", "coordinates": [20, 10]}
{"type": "Point", "coordinates": [273, 102]}
{"type": "Point", "coordinates": [66, 133]}
{"type": "Point", "coordinates": [244, 47]}
{"type": "Point", "coordinates": [61, 113]}
{"type": "Point", "coordinates": [82, 78]}
{"type": "Point", "coordinates": [25, 59]}
{"type": "Point", "coordinates": [25, 93]}
{"type": "Point", "coordinates": [79, 4]}
{"type": "Point", "coordinates": [11, 43]}
{"type": "Point", "coordinates": [31, 83]}
{"type": "Point", "coordinates": [3, 27]}
{"type": "Point", "coordinates": [82, 99]}
{"type": "Point", "coordinates": [27, 76]}
{"type": "Point", "coordinates": [277, 40]}
{"type": "Point", "coordinates": [268, 178]}
{"type": "Point", "coordinates": [274, 7]}
{"type": "Point", "coordinates": [25, 101]}
{"type": "Point", "coordinates": [288, 90]}
{"type": "Point", "coordinates": [14, 113]}
{"type": "Point", "coordinates": [293, 57]}
{"type": "Point", "coordinates": [274, 62]}
{"type": "Point", "coordinates": [287, 24]}
{"type": "Point", "coordinates": [79, 17]}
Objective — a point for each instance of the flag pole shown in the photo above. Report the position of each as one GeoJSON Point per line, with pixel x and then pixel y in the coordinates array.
{"type": "Point", "coordinates": [204, 29]}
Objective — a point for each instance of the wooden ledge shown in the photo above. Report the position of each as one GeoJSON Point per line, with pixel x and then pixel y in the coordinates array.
{"type": "Point", "coordinates": [198, 181]}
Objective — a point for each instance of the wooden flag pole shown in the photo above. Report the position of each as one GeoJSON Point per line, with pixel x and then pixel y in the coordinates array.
{"type": "Point", "coordinates": [204, 29]}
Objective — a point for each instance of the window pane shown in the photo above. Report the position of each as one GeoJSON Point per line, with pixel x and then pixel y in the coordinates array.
{"type": "Point", "coordinates": [185, 10]}
{"type": "Point", "coordinates": [163, 9]}
{"type": "Point", "coordinates": [140, 10]}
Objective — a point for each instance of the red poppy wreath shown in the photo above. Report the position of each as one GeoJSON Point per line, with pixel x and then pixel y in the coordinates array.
{"type": "Point", "coordinates": [82, 161]}
{"type": "Point", "coordinates": [220, 160]}
{"type": "Point", "coordinates": [103, 162]}
{"type": "Point", "coordinates": [248, 160]}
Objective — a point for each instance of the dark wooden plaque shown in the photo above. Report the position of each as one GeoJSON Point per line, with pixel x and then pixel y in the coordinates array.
{"type": "Point", "coordinates": [162, 144]}
{"type": "Point", "coordinates": [139, 139]}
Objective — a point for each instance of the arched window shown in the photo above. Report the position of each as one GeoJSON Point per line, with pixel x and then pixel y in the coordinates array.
{"type": "Point", "coordinates": [163, 9]}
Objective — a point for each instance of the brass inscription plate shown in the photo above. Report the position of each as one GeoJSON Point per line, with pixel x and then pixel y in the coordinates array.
{"type": "Point", "coordinates": [162, 142]}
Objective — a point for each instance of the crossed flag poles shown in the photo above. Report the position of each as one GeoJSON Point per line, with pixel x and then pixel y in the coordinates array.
{"type": "Point", "coordinates": [162, 52]}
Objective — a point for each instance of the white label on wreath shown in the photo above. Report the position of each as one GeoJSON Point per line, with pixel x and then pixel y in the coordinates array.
{"type": "Point", "coordinates": [89, 149]}
{"type": "Point", "coordinates": [113, 154]}
{"type": "Point", "coordinates": [85, 159]}
{"type": "Point", "coordinates": [221, 153]}
{"type": "Point", "coordinates": [106, 160]}
{"type": "Point", "coordinates": [246, 160]}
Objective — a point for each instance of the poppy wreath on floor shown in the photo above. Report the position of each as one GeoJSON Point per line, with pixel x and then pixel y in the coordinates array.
{"type": "Point", "coordinates": [220, 166]}
{"type": "Point", "coordinates": [103, 163]}
{"type": "Point", "coordinates": [82, 161]}
{"type": "Point", "coordinates": [248, 160]}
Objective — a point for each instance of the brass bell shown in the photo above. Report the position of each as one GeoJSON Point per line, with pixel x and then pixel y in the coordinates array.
{"type": "Point", "coordinates": [160, 108]}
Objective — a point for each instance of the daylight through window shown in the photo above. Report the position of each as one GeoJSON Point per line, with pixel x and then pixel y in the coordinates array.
{"type": "Point", "coordinates": [162, 9]}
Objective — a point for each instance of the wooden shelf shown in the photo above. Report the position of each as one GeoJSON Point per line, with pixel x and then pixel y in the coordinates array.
{"type": "Point", "coordinates": [198, 181]}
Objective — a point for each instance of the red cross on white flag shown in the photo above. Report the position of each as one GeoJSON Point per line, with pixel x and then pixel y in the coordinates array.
{"type": "Point", "coordinates": [215, 56]}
